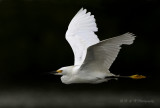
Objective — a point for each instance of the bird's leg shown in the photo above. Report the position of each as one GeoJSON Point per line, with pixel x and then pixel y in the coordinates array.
{"type": "Point", "coordinates": [132, 76]}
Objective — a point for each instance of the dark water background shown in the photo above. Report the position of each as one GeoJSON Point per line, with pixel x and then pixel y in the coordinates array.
{"type": "Point", "coordinates": [32, 44]}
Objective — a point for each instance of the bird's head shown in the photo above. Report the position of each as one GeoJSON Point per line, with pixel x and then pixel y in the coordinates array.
{"type": "Point", "coordinates": [64, 71]}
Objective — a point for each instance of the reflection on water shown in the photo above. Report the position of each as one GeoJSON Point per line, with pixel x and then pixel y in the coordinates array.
{"type": "Point", "coordinates": [49, 99]}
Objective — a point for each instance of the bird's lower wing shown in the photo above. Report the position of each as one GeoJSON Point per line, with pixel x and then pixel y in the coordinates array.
{"type": "Point", "coordinates": [101, 56]}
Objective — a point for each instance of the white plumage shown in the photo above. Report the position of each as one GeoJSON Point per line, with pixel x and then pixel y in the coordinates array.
{"type": "Point", "coordinates": [101, 55]}
{"type": "Point", "coordinates": [80, 34]}
{"type": "Point", "coordinates": [92, 58]}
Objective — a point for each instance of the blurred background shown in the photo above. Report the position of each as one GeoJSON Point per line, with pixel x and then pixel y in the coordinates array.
{"type": "Point", "coordinates": [32, 43]}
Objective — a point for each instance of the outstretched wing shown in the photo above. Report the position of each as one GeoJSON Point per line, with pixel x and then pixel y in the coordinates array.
{"type": "Point", "coordinates": [101, 56]}
{"type": "Point", "coordinates": [80, 34]}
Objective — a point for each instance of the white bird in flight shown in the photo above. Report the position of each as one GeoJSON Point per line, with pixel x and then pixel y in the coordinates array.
{"type": "Point", "coordinates": [92, 57]}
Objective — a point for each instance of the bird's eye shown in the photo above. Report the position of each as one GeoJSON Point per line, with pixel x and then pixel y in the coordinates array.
{"type": "Point", "coordinates": [59, 71]}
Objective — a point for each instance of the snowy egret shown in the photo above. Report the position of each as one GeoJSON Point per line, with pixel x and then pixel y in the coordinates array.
{"type": "Point", "coordinates": [92, 57]}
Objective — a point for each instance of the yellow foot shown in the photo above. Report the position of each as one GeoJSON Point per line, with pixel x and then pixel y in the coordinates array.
{"type": "Point", "coordinates": [137, 76]}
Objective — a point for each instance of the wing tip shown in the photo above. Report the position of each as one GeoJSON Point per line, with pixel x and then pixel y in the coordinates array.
{"type": "Point", "coordinates": [130, 34]}
{"type": "Point", "coordinates": [130, 37]}
{"type": "Point", "coordinates": [82, 10]}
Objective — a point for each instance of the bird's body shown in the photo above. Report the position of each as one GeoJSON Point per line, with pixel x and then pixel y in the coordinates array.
{"type": "Point", "coordinates": [92, 57]}
{"type": "Point", "coordinates": [75, 75]}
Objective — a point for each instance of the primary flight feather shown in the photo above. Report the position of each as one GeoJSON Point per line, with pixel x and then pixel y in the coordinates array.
{"type": "Point", "coordinates": [92, 57]}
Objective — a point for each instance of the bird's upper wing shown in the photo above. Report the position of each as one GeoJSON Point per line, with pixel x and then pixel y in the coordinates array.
{"type": "Point", "coordinates": [80, 34]}
{"type": "Point", "coordinates": [101, 56]}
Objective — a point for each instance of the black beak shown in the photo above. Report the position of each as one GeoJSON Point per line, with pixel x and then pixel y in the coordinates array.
{"type": "Point", "coordinates": [52, 72]}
